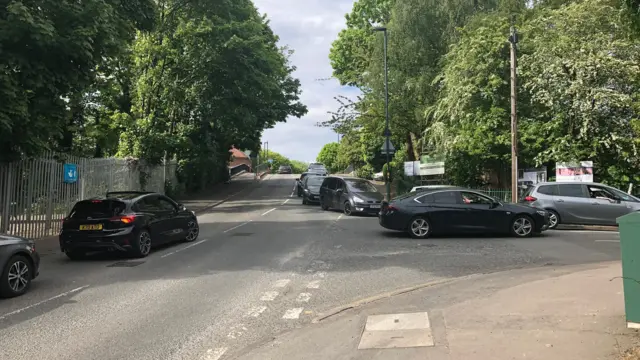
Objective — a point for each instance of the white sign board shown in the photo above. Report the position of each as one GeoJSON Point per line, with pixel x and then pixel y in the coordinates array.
{"type": "Point", "coordinates": [575, 172]}
{"type": "Point", "coordinates": [429, 168]}
{"type": "Point", "coordinates": [409, 168]}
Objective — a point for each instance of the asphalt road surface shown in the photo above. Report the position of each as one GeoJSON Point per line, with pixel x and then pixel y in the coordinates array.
{"type": "Point", "coordinates": [264, 264]}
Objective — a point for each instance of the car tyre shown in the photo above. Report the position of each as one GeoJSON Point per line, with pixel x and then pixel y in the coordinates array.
{"type": "Point", "coordinates": [554, 219]}
{"type": "Point", "coordinates": [16, 277]}
{"type": "Point", "coordinates": [322, 205]}
{"type": "Point", "coordinates": [522, 226]}
{"type": "Point", "coordinates": [141, 246]}
{"type": "Point", "coordinates": [419, 227]}
{"type": "Point", "coordinates": [304, 201]}
{"type": "Point", "coordinates": [193, 230]}
{"type": "Point", "coordinates": [347, 210]}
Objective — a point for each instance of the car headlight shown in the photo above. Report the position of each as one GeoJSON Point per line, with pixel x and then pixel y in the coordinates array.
{"type": "Point", "coordinates": [358, 199]}
{"type": "Point", "coordinates": [541, 212]}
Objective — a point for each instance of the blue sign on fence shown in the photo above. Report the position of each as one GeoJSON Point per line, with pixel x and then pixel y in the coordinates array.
{"type": "Point", "coordinates": [270, 161]}
{"type": "Point", "coordinates": [70, 173]}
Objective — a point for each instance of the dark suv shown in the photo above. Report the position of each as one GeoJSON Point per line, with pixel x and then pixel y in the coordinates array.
{"type": "Point", "coordinates": [350, 195]}
{"type": "Point", "coordinates": [284, 169]}
{"type": "Point", "coordinates": [130, 221]}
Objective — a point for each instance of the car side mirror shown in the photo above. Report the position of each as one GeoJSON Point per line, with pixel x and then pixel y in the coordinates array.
{"type": "Point", "coordinates": [340, 191]}
{"type": "Point", "coordinates": [181, 206]}
{"type": "Point", "coordinates": [495, 204]}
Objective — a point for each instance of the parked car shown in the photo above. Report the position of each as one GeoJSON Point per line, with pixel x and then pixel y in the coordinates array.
{"type": "Point", "coordinates": [311, 189]}
{"type": "Point", "coordinates": [580, 203]}
{"type": "Point", "coordinates": [459, 210]}
{"type": "Point", "coordinates": [20, 265]}
{"type": "Point", "coordinates": [428, 187]}
{"type": "Point", "coordinates": [284, 169]}
{"type": "Point", "coordinates": [128, 221]}
{"type": "Point", "coordinates": [298, 187]}
{"type": "Point", "coordinates": [351, 195]}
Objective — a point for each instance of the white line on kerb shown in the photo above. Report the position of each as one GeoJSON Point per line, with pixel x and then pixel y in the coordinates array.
{"type": "Point", "coordinates": [315, 284]}
{"type": "Point", "coordinates": [292, 313]}
{"type": "Point", "coordinates": [44, 301]}
{"type": "Point", "coordinates": [613, 241]}
{"type": "Point", "coordinates": [282, 283]}
{"type": "Point", "coordinates": [339, 217]}
{"type": "Point", "coordinates": [235, 227]}
{"type": "Point", "coordinates": [256, 311]}
{"type": "Point", "coordinates": [303, 297]}
{"type": "Point", "coordinates": [184, 248]}
{"type": "Point", "coordinates": [269, 296]}
{"type": "Point", "coordinates": [286, 201]}
{"type": "Point", "coordinates": [215, 354]}
{"type": "Point", "coordinates": [268, 211]}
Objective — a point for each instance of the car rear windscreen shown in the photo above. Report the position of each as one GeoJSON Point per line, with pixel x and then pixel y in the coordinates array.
{"type": "Point", "coordinates": [97, 209]}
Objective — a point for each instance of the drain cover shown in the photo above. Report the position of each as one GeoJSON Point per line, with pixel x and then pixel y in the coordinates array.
{"type": "Point", "coordinates": [126, 264]}
{"type": "Point", "coordinates": [242, 234]}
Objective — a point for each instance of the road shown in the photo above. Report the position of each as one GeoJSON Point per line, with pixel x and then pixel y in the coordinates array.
{"type": "Point", "coordinates": [264, 264]}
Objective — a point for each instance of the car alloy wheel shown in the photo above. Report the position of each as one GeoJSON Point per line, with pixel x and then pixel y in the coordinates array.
{"type": "Point", "coordinates": [192, 231]}
{"type": "Point", "coordinates": [419, 228]}
{"type": "Point", "coordinates": [144, 243]}
{"type": "Point", "coordinates": [16, 278]}
{"type": "Point", "coordinates": [522, 226]}
{"type": "Point", "coordinates": [347, 209]}
{"type": "Point", "coordinates": [554, 219]}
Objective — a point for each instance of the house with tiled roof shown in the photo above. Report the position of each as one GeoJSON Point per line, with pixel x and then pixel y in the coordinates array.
{"type": "Point", "coordinates": [238, 161]}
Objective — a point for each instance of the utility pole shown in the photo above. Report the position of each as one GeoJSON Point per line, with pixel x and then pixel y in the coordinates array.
{"type": "Point", "coordinates": [387, 132]}
{"type": "Point", "coordinates": [513, 41]}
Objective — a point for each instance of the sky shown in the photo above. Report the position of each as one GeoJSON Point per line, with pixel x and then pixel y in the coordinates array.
{"type": "Point", "coordinates": [308, 27]}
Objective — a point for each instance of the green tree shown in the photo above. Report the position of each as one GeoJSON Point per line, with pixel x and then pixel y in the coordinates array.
{"type": "Point", "coordinates": [328, 155]}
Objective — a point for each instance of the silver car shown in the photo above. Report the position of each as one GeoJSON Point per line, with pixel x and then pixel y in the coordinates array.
{"type": "Point", "coordinates": [580, 203]}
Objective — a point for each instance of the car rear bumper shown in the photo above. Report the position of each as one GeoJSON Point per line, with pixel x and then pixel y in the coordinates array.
{"type": "Point", "coordinates": [388, 222]}
{"type": "Point", "coordinates": [75, 241]}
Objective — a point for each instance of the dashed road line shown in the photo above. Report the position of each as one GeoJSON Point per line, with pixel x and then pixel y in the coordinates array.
{"type": "Point", "coordinates": [303, 297]}
{"type": "Point", "coordinates": [268, 211]}
{"type": "Point", "coordinates": [282, 283]}
{"type": "Point", "coordinates": [66, 293]}
{"type": "Point", "coordinates": [256, 311]}
{"type": "Point", "coordinates": [612, 241]}
{"type": "Point", "coordinates": [184, 248]}
{"type": "Point", "coordinates": [292, 314]}
{"type": "Point", "coordinates": [286, 201]}
{"type": "Point", "coordinates": [339, 217]}
{"type": "Point", "coordinates": [320, 274]}
{"type": "Point", "coordinates": [235, 227]}
{"type": "Point", "coordinates": [315, 284]}
{"type": "Point", "coordinates": [269, 296]}
{"type": "Point", "coordinates": [215, 354]}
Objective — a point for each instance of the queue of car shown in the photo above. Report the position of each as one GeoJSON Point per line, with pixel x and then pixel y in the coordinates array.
{"type": "Point", "coordinates": [437, 209]}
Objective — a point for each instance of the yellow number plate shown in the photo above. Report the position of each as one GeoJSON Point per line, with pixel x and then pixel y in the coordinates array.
{"type": "Point", "coordinates": [91, 227]}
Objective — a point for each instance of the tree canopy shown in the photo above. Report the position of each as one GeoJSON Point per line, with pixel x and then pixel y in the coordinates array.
{"type": "Point", "coordinates": [156, 80]}
{"type": "Point", "coordinates": [449, 86]}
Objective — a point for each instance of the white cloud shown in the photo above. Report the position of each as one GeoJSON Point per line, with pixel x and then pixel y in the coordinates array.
{"type": "Point", "coordinates": [308, 27]}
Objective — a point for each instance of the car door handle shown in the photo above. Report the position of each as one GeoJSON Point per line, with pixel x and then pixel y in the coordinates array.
{"type": "Point", "coordinates": [560, 200]}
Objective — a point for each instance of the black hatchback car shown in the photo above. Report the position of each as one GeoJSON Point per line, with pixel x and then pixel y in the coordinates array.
{"type": "Point", "coordinates": [19, 263]}
{"type": "Point", "coordinates": [127, 221]}
{"type": "Point", "coordinates": [351, 195]}
{"type": "Point", "coordinates": [311, 189]}
{"type": "Point", "coordinates": [459, 210]}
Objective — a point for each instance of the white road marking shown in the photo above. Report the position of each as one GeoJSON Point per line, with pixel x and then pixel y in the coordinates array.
{"type": "Point", "coordinates": [44, 301]}
{"type": "Point", "coordinates": [184, 248]}
{"type": "Point", "coordinates": [215, 354]}
{"type": "Point", "coordinates": [236, 331]}
{"type": "Point", "coordinates": [286, 201]}
{"type": "Point", "coordinates": [320, 274]}
{"type": "Point", "coordinates": [269, 296]}
{"type": "Point", "coordinates": [339, 217]}
{"type": "Point", "coordinates": [613, 241]}
{"type": "Point", "coordinates": [235, 227]}
{"type": "Point", "coordinates": [303, 297]}
{"type": "Point", "coordinates": [268, 211]}
{"type": "Point", "coordinates": [256, 311]}
{"type": "Point", "coordinates": [282, 283]}
{"type": "Point", "coordinates": [338, 246]}
{"type": "Point", "coordinates": [292, 313]}
{"type": "Point", "coordinates": [315, 284]}
{"type": "Point", "coordinates": [604, 232]}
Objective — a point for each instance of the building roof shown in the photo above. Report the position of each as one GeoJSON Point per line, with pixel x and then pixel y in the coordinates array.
{"type": "Point", "coordinates": [238, 154]}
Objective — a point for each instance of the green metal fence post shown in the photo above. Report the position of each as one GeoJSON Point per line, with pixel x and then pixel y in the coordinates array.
{"type": "Point", "coordinates": [629, 227]}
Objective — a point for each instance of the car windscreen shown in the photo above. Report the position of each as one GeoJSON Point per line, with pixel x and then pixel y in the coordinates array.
{"type": "Point", "coordinates": [360, 186]}
{"type": "Point", "coordinates": [97, 209]}
{"type": "Point", "coordinates": [315, 181]}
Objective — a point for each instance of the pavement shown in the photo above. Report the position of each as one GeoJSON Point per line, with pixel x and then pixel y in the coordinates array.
{"type": "Point", "coordinates": [266, 267]}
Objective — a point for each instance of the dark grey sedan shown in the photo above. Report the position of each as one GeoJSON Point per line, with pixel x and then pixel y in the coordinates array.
{"type": "Point", "coordinates": [20, 264]}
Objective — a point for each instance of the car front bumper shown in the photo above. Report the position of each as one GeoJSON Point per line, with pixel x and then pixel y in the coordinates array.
{"type": "Point", "coordinates": [314, 198]}
{"type": "Point", "coordinates": [372, 209]}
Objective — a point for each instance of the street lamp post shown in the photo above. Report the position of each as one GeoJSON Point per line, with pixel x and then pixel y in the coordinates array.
{"type": "Point", "coordinates": [387, 132]}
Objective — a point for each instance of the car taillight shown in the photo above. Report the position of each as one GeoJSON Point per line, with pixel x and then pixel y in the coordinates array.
{"type": "Point", "coordinates": [530, 198]}
{"type": "Point", "coordinates": [391, 208]}
{"type": "Point", "coordinates": [96, 201]}
{"type": "Point", "coordinates": [124, 219]}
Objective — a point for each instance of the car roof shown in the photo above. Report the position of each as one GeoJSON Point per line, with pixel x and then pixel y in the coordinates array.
{"type": "Point", "coordinates": [570, 183]}
{"type": "Point", "coordinates": [127, 195]}
{"type": "Point", "coordinates": [351, 178]}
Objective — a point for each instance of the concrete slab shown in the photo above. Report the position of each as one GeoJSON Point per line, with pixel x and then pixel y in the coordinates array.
{"type": "Point", "coordinates": [396, 331]}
